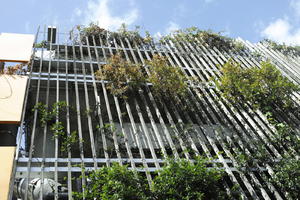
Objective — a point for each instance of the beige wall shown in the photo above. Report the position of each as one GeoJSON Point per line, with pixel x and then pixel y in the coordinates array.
{"type": "Point", "coordinates": [12, 95]}
{"type": "Point", "coordinates": [6, 166]}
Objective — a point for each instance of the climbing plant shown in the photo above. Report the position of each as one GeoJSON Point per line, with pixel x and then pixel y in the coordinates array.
{"type": "Point", "coordinates": [206, 37]}
{"type": "Point", "coordinates": [284, 48]}
{"type": "Point", "coordinates": [66, 140]}
{"type": "Point", "coordinates": [261, 87]}
{"type": "Point", "coordinates": [167, 81]}
{"type": "Point", "coordinates": [121, 75]}
{"type": "Point", "coordinates": [107, 36]}
{"type": "Point", "coordinates": [287, 177]}
{"type": "Point", "coordinates": [264, 88]}
{"type": "Point", "coordinates": [48, 117]}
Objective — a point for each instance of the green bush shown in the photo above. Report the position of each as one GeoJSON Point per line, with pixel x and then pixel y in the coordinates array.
{"type": "Point", "coordinates": [287, 177]}
{"type": "Point", "coordinates": [114, 183]}
{"type": "Point", "coordinates": [184, 180]}
{"type": "Point", "coordinates": [212, 39]}
{"type": "Point", "coordinates": [262, 87]}
{"type": "Point", "coordinates": [122, 75]}
{"type": "Point", "coordinates": [180, 179]}
{"type": "Point", "coordinates": [167, 80]}
{"type": "Point", "coordinates": [283, 48]}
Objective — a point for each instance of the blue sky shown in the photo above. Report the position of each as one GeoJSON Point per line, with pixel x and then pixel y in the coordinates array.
{"type": "Point", "coordinates": [249, 19]}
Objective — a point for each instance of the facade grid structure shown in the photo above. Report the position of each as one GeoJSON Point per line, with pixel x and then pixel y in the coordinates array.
{"type": "Point", "coordinates": [141, 130]}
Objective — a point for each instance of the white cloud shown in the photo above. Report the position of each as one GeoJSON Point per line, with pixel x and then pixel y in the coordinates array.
{"type": "Point", "coordinates": [100, 11]}
{"type": "Point", "coordinates": [77, 12]}
{"type": "Point", "coordinates": [157, 35]}
{"type": "Point", "coordinates": [172, 26]}
{"type": "Point", "coordinates": [281, 30]}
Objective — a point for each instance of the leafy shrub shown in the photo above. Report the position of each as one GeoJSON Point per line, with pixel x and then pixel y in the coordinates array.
{"type": "Point", "coordinates": [180, 179]}
{"type": "Point", "coordinates": [208, 37]}
{"type": "Point", "coordinates": [287, 177]}
{"type": "Point", "coordinates": [287, 137]}
{"type": "Point", "coordinates": [114, 183]}
{"type": "Point", "coordinates": [184, 180]}
{"type": "Point", "coordinates": [167, 80]}
{"type": "Point", "coordinates": [283, 48]}
{"type": "Point", "coordinates": [41, 44]}
{"type": "Point", "coordinates": [262, 87]}
{"type": "Point", "coordinates": [92, 30]}
{"type": "Point", "coordinates": [122, 75]}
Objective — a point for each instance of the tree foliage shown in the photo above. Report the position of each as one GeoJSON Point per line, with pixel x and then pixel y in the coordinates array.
{"type": "Point", "coordinates": [167, 80]}
{"type": "Point", "coordinates": [189, 181]}
{"type": "Point", "coordinates": [180, 179]}
{"type": "Point", "coordinates": [206, 37]}
{"type": "Point", "coordinates": [262, 87]}
{"type": "Point", "coordinates": [122, 75]}
{"type": "Point", "coordinates": [287, 177]}
{"type": "Point", "coordinates": [283, 48]}
{"type": "Point", "coordinates": [114, 183]}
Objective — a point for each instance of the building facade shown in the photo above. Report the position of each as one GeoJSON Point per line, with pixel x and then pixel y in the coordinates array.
{"type": "Point", "coordinates": [140, 130]}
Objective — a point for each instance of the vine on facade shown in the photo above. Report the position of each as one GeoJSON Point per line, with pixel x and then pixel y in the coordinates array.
{"type": "Point", "coordinates": [48, 117]}
{"type": "Point", "coordinates": [123, 76]}
{"type": "Point", "coordinates": [283, 48]}
{"type": "Point", "coordinates": [265, 88]}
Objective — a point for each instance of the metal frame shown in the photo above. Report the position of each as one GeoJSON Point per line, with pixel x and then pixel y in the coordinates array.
{"type": "Point", "coordinates": [151, 129]}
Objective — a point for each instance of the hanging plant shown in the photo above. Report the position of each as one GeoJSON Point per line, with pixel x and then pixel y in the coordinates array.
{"type": "Point", "coordinates": [212, 39]}
{"type": "Point", "coordinates": [167, 81]}
{"type": "Point", "coordinates": [283, 48]}
{"type": "Point", "coordinates": [121, 75]}
{"type": "Point", "coordinates": [93, 30]}
{"type": "Point", "coordinates": [48, 117]}
{"type": "Point", "coordinates": [261, 87]}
